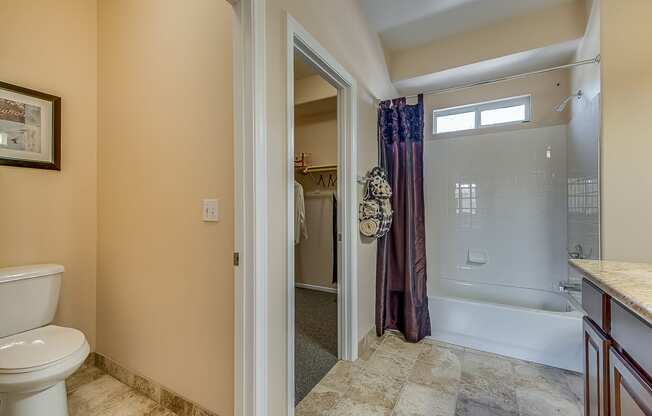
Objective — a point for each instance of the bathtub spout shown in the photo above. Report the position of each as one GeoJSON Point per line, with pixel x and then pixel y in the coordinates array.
{"type": "Point", "coordinates": [570, 287]}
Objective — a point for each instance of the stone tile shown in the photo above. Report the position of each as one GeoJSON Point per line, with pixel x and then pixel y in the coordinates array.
{"type": "Point", "coordinates": [97, 397]}
{"type": "Point", "coordinates": [132, 404]}
{"type": "Point", "coordinates": [175, 403]}
{"type": "Point", "coordinates": [146, 397]}
{"type": "Point", "coordinates": [369, 345]}
{"type": "Point", "coordinates": [394, 345]}
{"type": "Point", "coordinates": [361, 385]}
{"type": "Point", "coordinates": [393, 365]}
{"type": "Point", "coordinates": [147, 388]}
{"type": "Point", "coordinates": [90, 360]}
{"type": "Point", "coordinates": [160, 411]}
{"type": "Point", "coordinates": [443, 372]}
{"type": "Point", "coordinates": [534, 374]}
{"type": "Point", "coordinates": [438, 354]}
{"type": "Point", "coordinates": [488, 365]}
{"type": "Point", "coordinates": [553, 382]}
{"type": "Point", "coordinates": [100, 362]}
{"type": "Point", "coordinates": [540, 402]}
{"type": "Point", "coordinates": [443, 380]}
{"type": "Point", "coordinates": [115, 370]}
{"type": "Point", "coordinates": [429, 341]}
{"type": "Point", "coordinates": [86, 374]}
{"type": "Point", "coordinates": [467, 407]}
{"type": "Point", "coordinates": [488, 381]}
{"type": "Point", "coordinates": [370, 341]}
{"type": "Point", "coordinates": [575, 384]}
{"type": "Point", "coordinates": [418, 400]}
{"type": "Point", "coordinates": [348, 407]}
{"type": "Point", "coordinates": [366, 354]}
{"type": "Point", "coordinates": [318, 402]}
{"type": "Point", "coordinates": [198, 411]}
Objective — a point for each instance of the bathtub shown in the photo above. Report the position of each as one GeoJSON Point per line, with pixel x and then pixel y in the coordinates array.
{"type": "Point", "coordinates": [534, 325]}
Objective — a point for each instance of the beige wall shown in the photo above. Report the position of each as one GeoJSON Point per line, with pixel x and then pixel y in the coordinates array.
{"type": "Point", "coordinates": [544, 88]}
{"type": "Point", "coordinates": [626, 139]}
{"type": "Point", "coordinates": [587, 77]}
{"type": "Point", "coordinates": [312, 88]}
{"type": "Point", "coordinates": [165, 278]}
{"type": "Point", "coordinates": [536, 30]}
{"type": "Point", "coordinates": [341, 28]}
{"type": "Point", "coordinates": [48, 216]}
{"type": "Point", "coordinates": [317, 135]}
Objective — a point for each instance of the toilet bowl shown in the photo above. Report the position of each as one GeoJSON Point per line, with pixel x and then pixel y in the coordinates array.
{"type": "Point", "coordinates": [35, 358]}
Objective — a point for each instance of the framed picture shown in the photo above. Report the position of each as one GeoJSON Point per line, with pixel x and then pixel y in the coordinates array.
{"type": "Point", "coordinates": [30, 128]}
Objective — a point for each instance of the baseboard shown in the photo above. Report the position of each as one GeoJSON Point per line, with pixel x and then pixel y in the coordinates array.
{"type": "Point", "coordinates": [315, 287]}
{"type": "Point", "coordinates": [367, 344]}
{"type": "Point", "coordinates": [158, 393]}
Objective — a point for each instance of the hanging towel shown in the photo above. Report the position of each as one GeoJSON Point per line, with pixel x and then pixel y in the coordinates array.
{"type": "Point", "coordinates": [300, 228]}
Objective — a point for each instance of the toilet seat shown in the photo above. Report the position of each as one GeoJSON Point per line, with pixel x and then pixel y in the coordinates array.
{"type": "Point", "coordinates": [39, 349]}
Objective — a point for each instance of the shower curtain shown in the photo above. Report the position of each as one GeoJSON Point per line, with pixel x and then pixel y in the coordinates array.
{"type": "Point", "coordinates": [401, 294]}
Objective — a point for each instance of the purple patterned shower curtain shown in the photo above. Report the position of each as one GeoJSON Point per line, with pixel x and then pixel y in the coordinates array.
{"type": "Point", "coordinates": [401, 293]}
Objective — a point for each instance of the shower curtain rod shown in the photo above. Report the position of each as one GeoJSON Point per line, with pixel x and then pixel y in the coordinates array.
{"type": "Point", "coordinates": [595, 60]}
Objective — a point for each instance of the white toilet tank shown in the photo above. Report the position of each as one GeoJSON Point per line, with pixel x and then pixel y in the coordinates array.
{"type": "Point", "coordinates": [28, 297]}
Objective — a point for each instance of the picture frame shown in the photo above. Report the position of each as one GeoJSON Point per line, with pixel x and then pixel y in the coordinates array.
{"type": "Point", "coordinates": [30, 128]}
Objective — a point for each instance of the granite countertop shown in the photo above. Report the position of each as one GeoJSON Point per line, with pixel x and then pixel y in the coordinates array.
{"type": "Point", "coordinates": [628, 283]}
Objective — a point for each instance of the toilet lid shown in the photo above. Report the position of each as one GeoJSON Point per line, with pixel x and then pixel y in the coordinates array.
{"type": "Point", "coordinates": [38, 347]}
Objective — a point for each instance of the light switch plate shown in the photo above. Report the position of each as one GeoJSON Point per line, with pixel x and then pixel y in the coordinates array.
{"type": "Point", "coordinates": [211, 210]}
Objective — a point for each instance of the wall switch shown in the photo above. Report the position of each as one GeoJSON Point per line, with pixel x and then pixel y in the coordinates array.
{"type": "Point", "coordinates": [211, 210]}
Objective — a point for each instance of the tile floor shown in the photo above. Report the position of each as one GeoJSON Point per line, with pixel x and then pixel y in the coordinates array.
{"type": "Point", "coordinates": [91, 392]}
{"type": "Point", "coordinates": [393, 378]}
{"type": "Point", "coordinates": [401, 379]}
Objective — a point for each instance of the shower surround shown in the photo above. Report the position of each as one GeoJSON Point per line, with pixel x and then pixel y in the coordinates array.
{"type": "Point", "coordinates": [496, 238]}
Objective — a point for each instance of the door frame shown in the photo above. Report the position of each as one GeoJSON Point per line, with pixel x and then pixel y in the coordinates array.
{"type": "Point", "coordinates": [299, 39]}
{"type": "Point", "coordinates": [251, 221]}
{"type": "Point", "coordinates": [251, 201]}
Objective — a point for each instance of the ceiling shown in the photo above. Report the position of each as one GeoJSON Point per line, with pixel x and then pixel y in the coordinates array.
{"type": "Point", "coordinates": [517, 63]}
{"type": "Point", "coordinates": [408, 23]}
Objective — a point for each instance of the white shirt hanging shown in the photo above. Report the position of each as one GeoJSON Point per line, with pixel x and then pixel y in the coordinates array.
{"type": "Point", "coordinates": [300, 227]}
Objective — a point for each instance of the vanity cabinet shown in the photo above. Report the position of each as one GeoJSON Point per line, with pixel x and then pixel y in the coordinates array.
{"type": "Point", "coordinates": [631, 395]}
{"type": "Point", "coordinates": [617, 357]}
{"type": "Point", "coordinates": [596, 368]}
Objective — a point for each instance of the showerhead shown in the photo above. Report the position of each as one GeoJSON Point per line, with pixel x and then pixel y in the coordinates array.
{"type": "Point", "coordinates": [562, 105]}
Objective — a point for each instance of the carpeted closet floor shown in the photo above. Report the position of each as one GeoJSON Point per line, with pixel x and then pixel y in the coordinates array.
{"type": "Point", "coordinates": [315, 338]}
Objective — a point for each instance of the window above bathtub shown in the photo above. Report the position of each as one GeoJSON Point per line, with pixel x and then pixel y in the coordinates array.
{"type": "Point", "coordinates": [446, 121]}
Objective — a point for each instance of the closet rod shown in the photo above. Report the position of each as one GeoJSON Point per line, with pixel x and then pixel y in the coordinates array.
{"type": "Point", "coordinates": [320, 168]}
{"type": "Point", "coordinates": [595, 60]}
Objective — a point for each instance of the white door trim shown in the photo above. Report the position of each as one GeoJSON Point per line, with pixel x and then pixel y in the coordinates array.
{"type": "Point", "coordinates": [250, 240]}
{"type": "Point", "coordinates": [328, 67]}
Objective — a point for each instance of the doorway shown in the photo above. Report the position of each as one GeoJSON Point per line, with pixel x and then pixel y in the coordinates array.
{"type": "Point", "coordinates": [315, 227]}
{"type": "Point", "coordinates": [322, 289]}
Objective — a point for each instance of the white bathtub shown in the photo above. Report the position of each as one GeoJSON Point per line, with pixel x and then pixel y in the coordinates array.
{"type": "Point", "coordinates": [534, 325]}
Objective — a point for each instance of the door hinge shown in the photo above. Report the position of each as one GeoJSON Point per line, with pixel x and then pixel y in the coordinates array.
{"type": "Point", "coordinates": [236, 259]}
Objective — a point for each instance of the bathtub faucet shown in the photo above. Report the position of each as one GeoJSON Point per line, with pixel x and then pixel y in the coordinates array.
{"type": "Point", "coordinates": [570, 286]}
{"type": "Point", "coordinates": [578, 253]}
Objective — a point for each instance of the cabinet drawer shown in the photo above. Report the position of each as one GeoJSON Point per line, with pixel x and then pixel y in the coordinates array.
{"type": "Point", "coordinates": [595, 303]}
{"type": "Point", "coordinates": [633, 335]}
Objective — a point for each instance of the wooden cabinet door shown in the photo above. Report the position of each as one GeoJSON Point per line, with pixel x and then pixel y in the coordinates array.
{"type": "Point", "coordinates": [596, 367]}
{"type": "Point", "coordinates": [631, 394]}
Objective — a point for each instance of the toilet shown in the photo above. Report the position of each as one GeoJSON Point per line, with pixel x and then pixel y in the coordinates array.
{"type": "Point", "coordinates": [35, 357]}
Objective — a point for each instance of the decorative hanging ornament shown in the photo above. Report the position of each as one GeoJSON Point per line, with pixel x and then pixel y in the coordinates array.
{"type": "Point", "coordinates": [375, 210]}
